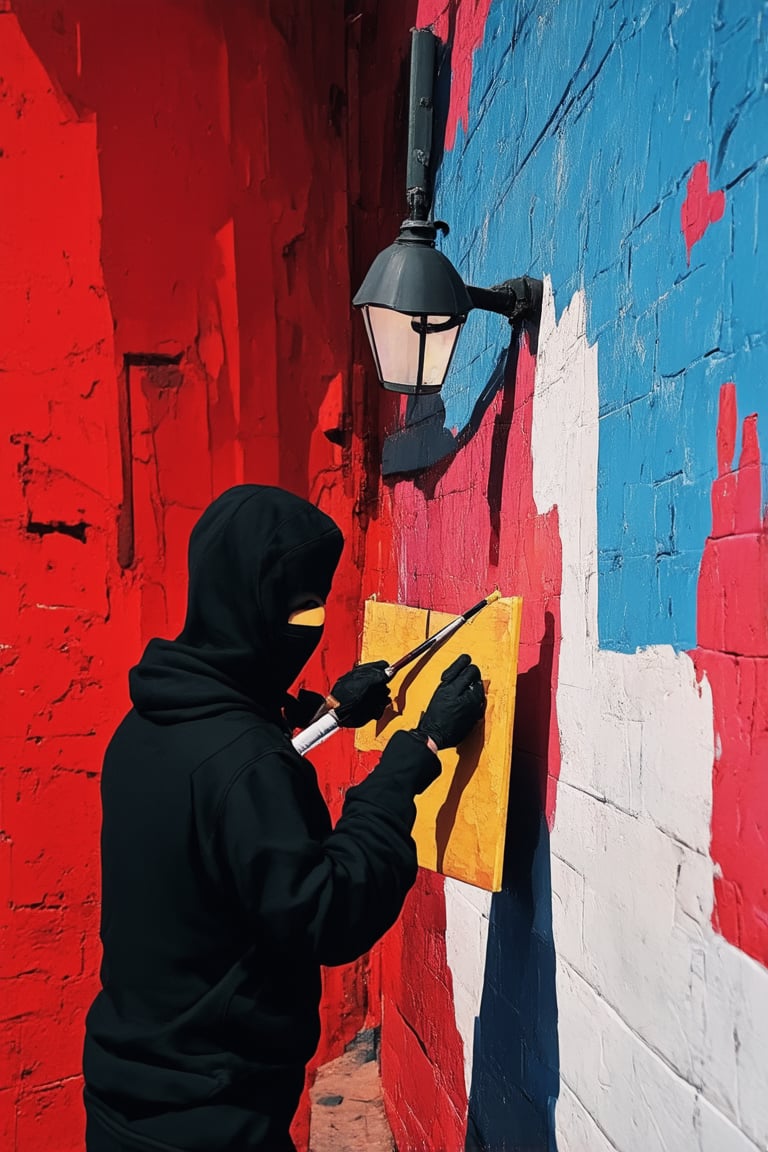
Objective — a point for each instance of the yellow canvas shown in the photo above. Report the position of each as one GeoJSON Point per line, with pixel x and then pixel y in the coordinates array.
{"type": "Point", "coordinates": [462, 817]}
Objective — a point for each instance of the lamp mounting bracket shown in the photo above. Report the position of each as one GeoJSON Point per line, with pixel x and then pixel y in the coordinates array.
{"type": "Point", "coordinates": [517, 299]}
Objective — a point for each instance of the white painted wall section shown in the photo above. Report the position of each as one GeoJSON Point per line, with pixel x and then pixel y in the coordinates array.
{"type": "Point", "coordinates": [659, 1018]}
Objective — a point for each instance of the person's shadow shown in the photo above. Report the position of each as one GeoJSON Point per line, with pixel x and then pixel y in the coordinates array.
{"type": "Point", "coordinates": [516, 1063]}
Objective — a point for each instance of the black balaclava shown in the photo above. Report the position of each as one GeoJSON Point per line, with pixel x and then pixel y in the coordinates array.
{"type": "Point", "coordinates": [252, 553]}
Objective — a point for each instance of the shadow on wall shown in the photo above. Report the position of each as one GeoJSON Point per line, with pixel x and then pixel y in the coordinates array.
{"type": "Point", "coordinates": [515, 1052]}
{"type": "Point", "coordinates": [424, 442]}
{"type": "Point", "coordinates": [516, 1067]}
{"type": "Point", "coordinates": [466, 766]}
{"type": "Point", "coordinates": [424, 445]}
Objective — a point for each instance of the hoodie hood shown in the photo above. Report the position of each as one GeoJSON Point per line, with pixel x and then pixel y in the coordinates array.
{"type": "Point", "coordinates": [251, 554]}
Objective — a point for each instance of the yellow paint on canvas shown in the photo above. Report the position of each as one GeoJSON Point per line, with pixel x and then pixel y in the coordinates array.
{"type": "Point", "coordinates": [461, 818]}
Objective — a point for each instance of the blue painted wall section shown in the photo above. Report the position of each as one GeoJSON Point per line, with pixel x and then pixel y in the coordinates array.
{"type": "Point", "coordinates": [585, 122]}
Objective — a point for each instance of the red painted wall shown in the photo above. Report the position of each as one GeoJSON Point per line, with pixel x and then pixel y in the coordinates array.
{"type": "Point", "coordinates": [190, 187]}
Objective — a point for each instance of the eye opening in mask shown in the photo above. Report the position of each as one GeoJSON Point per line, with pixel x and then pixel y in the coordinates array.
{"type": "Point", "coordinates": [307, 612]}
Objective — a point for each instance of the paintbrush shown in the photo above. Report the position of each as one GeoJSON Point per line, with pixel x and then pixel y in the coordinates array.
{"type": "Point", "coordinates": [325, 722]}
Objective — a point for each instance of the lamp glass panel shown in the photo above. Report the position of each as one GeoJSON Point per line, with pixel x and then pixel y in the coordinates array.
{"type": "Point", "coordinates": [395, 346]}
{"type": "Point", "coordinates": [438, 351]}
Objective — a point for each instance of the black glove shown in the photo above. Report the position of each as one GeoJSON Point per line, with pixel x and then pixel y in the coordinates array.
{"type": "Point", "coordinates": [456, 706]}
{"type": "Point", "coordinates": [362, 695]}
{"type": "Point", "coordinates": [299, 710]}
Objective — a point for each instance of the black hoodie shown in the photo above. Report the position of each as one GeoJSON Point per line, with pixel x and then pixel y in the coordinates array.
{"type": "Point", "coordinates": [224, 886]}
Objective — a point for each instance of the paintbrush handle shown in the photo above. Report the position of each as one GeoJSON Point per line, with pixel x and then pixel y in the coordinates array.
{"type": "Point", "coordinates": [316, 733]}
{"type": "Point", "coordinates": [425, 646]}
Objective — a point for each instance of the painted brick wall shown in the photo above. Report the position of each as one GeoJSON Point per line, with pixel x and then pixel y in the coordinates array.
{"type": "Point", "coordinates": [181, 184]}
{"type": "Point", "coordinates": [614, 996]}
{"type": "Point", "coordinates": [186, 186]}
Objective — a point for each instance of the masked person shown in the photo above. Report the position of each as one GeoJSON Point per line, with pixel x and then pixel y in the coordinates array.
{"type": "Point", "coordinates": [224, 885]}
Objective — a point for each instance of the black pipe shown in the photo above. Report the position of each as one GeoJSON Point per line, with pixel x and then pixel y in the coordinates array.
{"type": "Point", "coordinates": [420, 116]}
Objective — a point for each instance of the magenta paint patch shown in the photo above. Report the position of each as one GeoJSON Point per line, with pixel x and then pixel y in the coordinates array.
{"type": "Point", "coordinates": [700, 207]}
{"type": "Point", "coordinates": [733, 651]}
{"type": "Point", "coordinates": [483, 497]}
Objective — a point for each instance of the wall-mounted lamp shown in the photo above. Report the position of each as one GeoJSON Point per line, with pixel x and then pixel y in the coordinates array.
{"type": "Point", "coordinates": [414, 301]}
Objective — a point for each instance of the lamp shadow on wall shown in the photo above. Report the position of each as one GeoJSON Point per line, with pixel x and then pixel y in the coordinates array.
{"type": "Point", "coordinates": [424, 445]}
{"type": "Point", "coordinates": [516, 1066]}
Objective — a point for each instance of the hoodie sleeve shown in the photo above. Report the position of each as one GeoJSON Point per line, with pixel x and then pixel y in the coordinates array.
{"type": "Point", "coordinates": [337, 894]}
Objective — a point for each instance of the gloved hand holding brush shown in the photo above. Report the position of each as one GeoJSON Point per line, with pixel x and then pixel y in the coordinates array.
{"type": "Point", "coordinates": [357, 698]}
{"type": "Point", "coordinates": [361, 695]}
